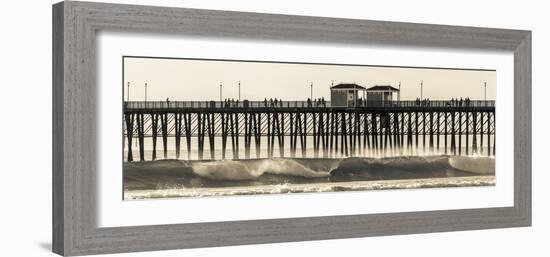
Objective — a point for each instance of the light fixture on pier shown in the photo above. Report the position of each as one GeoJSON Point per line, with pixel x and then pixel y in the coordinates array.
{"type": "Point", "coordinates": [128, 92]}
{"type": "Point", "coordinates": [399, 93]}
{"type": "Point", "coordinates": [311, 91]}
{"type": "Point", "coordinates": [421, 89]}
{"type": "Point", "coordinates": [145, 91]}
{"type": "Point", "coordinates": [485, 91]}
{"type": "Point", "coordinates": [239, 90]}
{"type": "Point", "coordinates": [221, 98]}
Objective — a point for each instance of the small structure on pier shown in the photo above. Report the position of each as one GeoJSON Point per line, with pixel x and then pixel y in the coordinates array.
{"type": "Point", "coordinates": [346, 95]}
{"type": "Point", "coordinates": [380, 94]}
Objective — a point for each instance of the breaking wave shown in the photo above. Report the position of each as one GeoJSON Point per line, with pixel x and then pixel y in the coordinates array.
{"type": "Point", "coordinates": [164, 174]}
{"type": "Point", "coordinates": [252, 169]}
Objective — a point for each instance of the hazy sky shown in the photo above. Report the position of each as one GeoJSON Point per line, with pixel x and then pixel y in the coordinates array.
{"type": "Point", "coordinates": [199, 80]}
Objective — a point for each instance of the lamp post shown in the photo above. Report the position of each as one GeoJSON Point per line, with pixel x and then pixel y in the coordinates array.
{"type": "Point", "coordinates": [354, 95]}
{"type": "Point", "coordinates": [399, 93]}
{"type": "Point", "coordinates": [239, 90]}
{"type": "Point", "coordinates": [128, 92]}
{"type": "Point", "coordinates": [221, 98]}
{"type": "Point", "coordinates": [421, 89]}
{"type": "Point", "coordinates": [485, 91]}
{"type": "Point", "coordinates": [145, 92]}
{"type": "Point", "coordinates": [311, 91]}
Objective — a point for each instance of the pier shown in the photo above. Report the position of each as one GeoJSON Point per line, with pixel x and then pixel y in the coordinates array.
{"type": "Point", "coordinates": [371, 128]}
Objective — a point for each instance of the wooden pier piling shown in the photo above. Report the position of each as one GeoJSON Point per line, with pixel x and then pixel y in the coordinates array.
{"type": "Point", "coordinates": [376, 131]}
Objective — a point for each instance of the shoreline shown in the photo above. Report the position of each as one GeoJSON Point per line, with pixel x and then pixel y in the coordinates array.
{"type": "Point", "coordinates": [468, 181]}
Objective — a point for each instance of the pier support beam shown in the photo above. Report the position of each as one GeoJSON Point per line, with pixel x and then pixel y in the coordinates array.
{"type": "Point", "coordinates": [474, 131]}
{"type": "Point", "coordinates": [315, 128]}
{"type": "Point", "coordinates": [409, 133]}
{"type": "Point", "coordinates": [489, 133]}
{"type": "Point", "coordinates": [177, 133]}
{"type": "Point", "coordinates": [423, 132]}
{"type": "Point", "coordinates": [154, 134]}
{"type": "Point", "coordinates": [187, 125]}
{"type": "Point", "coordinates": [481, 129]}
{"type": "Point", "coordinates": [366, 143]}
{"type": "Point", "coordinates": [257, 119]}
{"type": "Point", "coordinates": [438, 130]}
{"type": "Point", "coordinates": [200, 134]}
{"type": "Point", "coordinates": [141, 136]}
{"type": "Point", "coordinates": [446, 130]}
{"type": "Point", "coordinates": [129, 134]}
{"type": "Point", "coordinates": [431, 132]}
{"type": "Point", "coordinates": [453, 133]}
{"type": "Point", "coordinates": [232, 125]}
{"type": "Point", "coordinates": [416, 129]}
{"type": "Point", "coordinates": [225, 132]}
{"type": "Point", "coordinates": [460, 133]}
{"type": "Point", "coordinates": [467, 132]}
{"type": "Point", "coordinates": [164, 131]}
{"type": "Point", "coordinates": [211, 134]}
{"type": "Point", "coordinates": [350, 134]}
{"type": "Point", "coordinates": [292, 134]}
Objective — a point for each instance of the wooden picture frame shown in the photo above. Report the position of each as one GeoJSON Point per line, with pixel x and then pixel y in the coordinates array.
{"type": "Point", "coordinates": [75, 25]}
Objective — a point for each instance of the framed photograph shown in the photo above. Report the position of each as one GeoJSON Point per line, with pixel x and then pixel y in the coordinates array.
{"type": "Point", "coordinates": [182, 128]}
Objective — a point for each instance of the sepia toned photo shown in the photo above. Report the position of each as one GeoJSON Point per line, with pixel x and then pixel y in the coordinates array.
{"type": "Point", "coordinates": [200, 127]}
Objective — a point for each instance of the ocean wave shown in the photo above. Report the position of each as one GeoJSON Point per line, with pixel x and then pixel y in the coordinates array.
{"type": "Point", "coordinates": [254, 172]}
{"type": "Point", "coordinates": [252, 169]}
{"type": "Point", "coordinates": [478, 165]}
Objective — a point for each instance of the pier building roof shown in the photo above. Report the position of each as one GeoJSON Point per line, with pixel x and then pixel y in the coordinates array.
{"type": "Point", "coordinates": [382, 88]}
{"type": "Point", "coordinates": [348, 86]}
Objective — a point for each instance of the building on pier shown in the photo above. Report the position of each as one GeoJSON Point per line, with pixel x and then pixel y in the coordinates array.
{"type": "Point", "coordinates": [346, 95]}
{"type": "Point", "coordinates": [379, 95]}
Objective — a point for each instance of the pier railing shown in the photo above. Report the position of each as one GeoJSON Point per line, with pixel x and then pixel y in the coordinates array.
{"type": "Point", "coordinates": [304, 104]}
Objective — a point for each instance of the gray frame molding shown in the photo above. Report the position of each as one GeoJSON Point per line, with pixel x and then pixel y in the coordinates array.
{"type": "Point", "coordinates": [74, 113]}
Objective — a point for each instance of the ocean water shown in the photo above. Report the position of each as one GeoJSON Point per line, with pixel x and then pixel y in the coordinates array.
{"type": "Point", "coordinates": [193, 178]}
